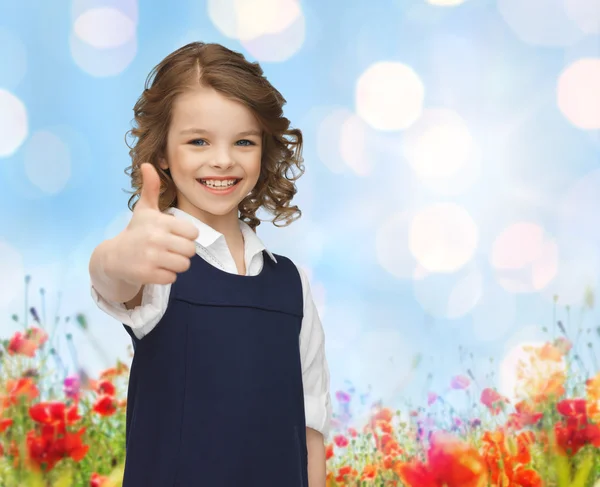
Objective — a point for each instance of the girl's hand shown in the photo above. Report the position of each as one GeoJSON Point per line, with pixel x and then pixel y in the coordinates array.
{"type": "Point", "coordinates": [154, 247]}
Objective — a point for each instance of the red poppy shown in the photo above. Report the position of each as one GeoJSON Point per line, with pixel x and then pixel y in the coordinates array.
{"type": "Point", "coordinates": [105, 405]}
{"type": "Point", "coordinates": [575, 431]}
{"type": "Point", "coordinates": [97, 480]}
{"type": "Point", "coordinates": [106, 387]}
{"type": "Point", "coordinates": [329, 451]}
{"type": "Point", "coordinates": [16, 389]}
{"type": "Point", "coordinates": [493, 400]}
{"type": "Point", "coordinates": [507, 463]}
{"type": "Point", "coordinates": [45, 450]}
{"type": "Point", "coordinates": [341, 441]}
{"type": "Point", "coordinates": [450, 463]}
{"type": "Point", "coordinates": [54, 413]}
{"type": "Point", "coordinates": [526, 415]}
{"type": "Point", "coordinates": [346, 473]}
{"type": "Point", "coordinates": [369, 472]}
{"type": "Point", "coordinates": [5, 423]}
{"type": "Point", "coordinates": [27, 343]}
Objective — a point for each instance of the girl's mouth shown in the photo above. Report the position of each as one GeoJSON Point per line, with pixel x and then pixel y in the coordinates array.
{"type": "Point", "coordinates": [219, 183]}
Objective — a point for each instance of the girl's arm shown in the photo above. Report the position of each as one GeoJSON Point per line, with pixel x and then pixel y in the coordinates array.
{"type": "Point", "coordinates": [315, 379]}
{"type": "Point", "coordinates": [316, 458]}
{"type": "Point", "coordinates": [151, 250]}
{"type": "Point", "coordinates": [103, 277]}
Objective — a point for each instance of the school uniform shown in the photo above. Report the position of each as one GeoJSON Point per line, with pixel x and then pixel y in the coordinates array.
{"type": "Point", "coordinates": [228, 371]}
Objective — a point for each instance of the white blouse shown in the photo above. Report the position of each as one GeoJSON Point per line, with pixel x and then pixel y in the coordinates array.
{"type": "Point", "coordinates": [211, 246]}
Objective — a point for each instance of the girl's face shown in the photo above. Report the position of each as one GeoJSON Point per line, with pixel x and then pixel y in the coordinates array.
{"type": "Point", "coordinates": [213, 153]}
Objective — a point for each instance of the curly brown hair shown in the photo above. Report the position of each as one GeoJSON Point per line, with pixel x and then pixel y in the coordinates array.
{"type": "Point", "coordinates": [229, 73]}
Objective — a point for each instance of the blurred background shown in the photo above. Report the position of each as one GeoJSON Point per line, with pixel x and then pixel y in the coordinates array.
{"type": "Point", "coordinates": [452, 180]}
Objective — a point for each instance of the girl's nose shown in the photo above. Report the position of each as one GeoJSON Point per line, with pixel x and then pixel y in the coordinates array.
{"type": "Point", "coordinates": [222, 160]}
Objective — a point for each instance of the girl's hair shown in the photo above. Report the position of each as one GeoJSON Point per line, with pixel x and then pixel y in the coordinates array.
{"type": "Point", "coordinates": [230, 74]}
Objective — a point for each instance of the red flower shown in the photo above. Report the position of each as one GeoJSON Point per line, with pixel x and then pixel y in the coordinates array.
{"type": "Point", "coordinates": [341, 441]}
{"type": "Point", "coordinates": [45, 450]}
{"type": "Point", "coordinates": [5, 423]}
{"type": "Point", "coordinates": [493, 400]}
{"type": "Point", "coordinates": [575, 431]}
{"type": "Point", "coordinates": [346, 473]}
{"type": "Point", "coordinates": [23, 387]}
{"type": "Point", "coordinates": [114, 372]}
{"type": "Point", "coordinates": [54, 413]}
{"type": "Point", "coordinates": [460, 382]}
{"type": "Point", "coordinates": [450, 463]}
{"type": "Point", "coordinates": [329, 452]}
{"type": "Point", "coordinates": [27, 343]}
{"type": "Point", "coordinates": [97, 480]}
{"type": "Point", "coordinates": [507, 463]}
{"type": "Point", "coordinates": [105, 387]}
{"type": "Point", "coordinates": [526, 415]}
{"type": "Point", "coordinates": [352, 432]}
{"type": "Point", "coordinates": [105, 405]}
{"type": "Point", "coordinates": [369, 472]}
{"type": "Point", "coordinates": [572, 407]}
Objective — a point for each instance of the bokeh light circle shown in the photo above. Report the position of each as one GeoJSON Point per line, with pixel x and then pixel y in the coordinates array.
{"type": "Point", "coordinates": [540, 22]}
{"type": "Point", "coordinates": [524, 257]}
{"type": "Point", "coordinates": [391, 246]}
{"type": "Point", "coordinates": [14, 59]}
{"type": "Point", "coordinates": [104, 28]}
{"type": "Point", "coordinates": [440, 149]}
{"type": "Point", "coordinates": [446, 3]}
{"type": "Point", "coordinates": [103, 62]}
{"type": "Point", "coordinates": [352, 143]}
{"type": "Point", "coordinates": [579, 207]}
{"type": "Point", "coordinates": [246, 20]}
{"type": "Point", "coordinates": [128, 7]}
{"type": "Point", "coordinates": [578, 93]}
{"type": "Point", "coordinates": [279, 46]}
{"type": "Point", "coordinates": [443, 237]}
{"type": "Point", "coordinates": [13, 123]}
{"type": "Point", "coordinates": [586, 14]}
{"type": "Point", "coordinates": [449, 296]}
{"type": "Point", "coordinates": [389, 96]}
{"type": "Point", "coordinates": [47, 162]}
{"type": "Point", "coordinates": [342, 141]}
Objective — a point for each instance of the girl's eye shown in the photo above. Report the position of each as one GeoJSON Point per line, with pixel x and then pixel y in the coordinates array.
{"type": "Point", "coordinates": [245, 142]}
{"type": "Point", "coordinates": [198, 142]}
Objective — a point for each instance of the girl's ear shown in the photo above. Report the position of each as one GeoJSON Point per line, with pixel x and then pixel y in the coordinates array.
{"type": "Point", "coordinates": [162, 162]}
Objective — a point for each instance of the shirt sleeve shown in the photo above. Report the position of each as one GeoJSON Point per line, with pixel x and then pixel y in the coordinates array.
{"type": "Point", "coordinates": [141, 319]}
{"type": "Point", "coordinates": [315, 370]}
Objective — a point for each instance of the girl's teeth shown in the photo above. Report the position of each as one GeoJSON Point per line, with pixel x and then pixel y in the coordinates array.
{"type": "Point", "coordinates": [219, 184]}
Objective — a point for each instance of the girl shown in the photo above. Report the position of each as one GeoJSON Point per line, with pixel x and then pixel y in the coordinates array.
{"type": "Point", "coordinates": [229, 383]}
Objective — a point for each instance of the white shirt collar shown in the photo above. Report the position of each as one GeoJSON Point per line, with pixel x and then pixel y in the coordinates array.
{"type": "Point", "coordinates": [208, 236]}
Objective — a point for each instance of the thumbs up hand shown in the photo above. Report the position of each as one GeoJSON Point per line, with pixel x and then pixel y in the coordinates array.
{"type": "Point", "coordinates": [154, 247]}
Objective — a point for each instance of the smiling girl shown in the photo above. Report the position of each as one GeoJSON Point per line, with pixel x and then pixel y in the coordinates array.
{"type": "Point", "coordinates": [229, 383]}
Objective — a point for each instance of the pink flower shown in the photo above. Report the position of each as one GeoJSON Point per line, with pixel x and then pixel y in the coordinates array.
{"type": "Point", "coordinates": [341, 441]}
{"type": "Point", "coordinates": [460, 382]}
{"type": "Point", "coordinates": [342, 396]}
{"type": "Point", "coordinates": [431, 398]}
{"type": "Point", "coordinates": [72, 386]}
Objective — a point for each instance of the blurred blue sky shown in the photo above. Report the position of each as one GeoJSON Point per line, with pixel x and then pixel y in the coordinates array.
{"type": "Point", "coordinates": [513, 173]}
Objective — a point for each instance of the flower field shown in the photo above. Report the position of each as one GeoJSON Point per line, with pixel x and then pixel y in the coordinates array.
{"type": "Point", "coordinates": [68, 430]}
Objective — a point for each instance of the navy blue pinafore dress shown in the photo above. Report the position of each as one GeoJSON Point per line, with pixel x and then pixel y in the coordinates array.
{"type": "Point", "coordinates": [215, 392]}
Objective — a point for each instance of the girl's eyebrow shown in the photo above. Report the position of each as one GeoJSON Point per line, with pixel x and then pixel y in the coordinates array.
{"type": "Point", "coordinates": [200, 131]}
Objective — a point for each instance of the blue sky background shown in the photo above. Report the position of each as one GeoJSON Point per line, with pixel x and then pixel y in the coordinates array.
{"type": "Point", "coordinates": [499, 70]}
